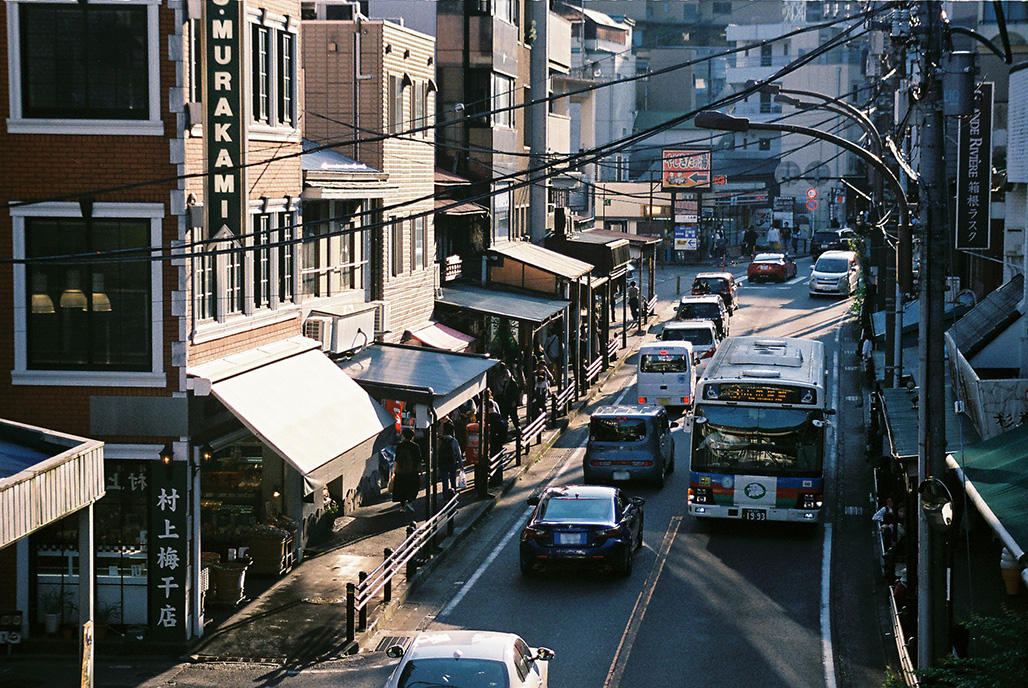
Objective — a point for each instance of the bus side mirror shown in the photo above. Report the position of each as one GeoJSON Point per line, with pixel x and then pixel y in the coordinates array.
{"type": "Point", "coordinates": [699, 420]}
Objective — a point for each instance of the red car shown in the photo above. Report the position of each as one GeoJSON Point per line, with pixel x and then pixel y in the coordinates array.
{"type": "Point", "coordinates": [767, 266]}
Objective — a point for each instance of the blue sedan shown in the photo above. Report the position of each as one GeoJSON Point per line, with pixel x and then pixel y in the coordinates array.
{"type": "Point", "coordinates": [589, 525]}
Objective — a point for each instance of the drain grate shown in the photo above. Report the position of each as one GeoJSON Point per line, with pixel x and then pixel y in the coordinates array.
{"type": "Point", "coordinates": [324, 600]}
{"type": "Point", "coordinates": [390, 640]}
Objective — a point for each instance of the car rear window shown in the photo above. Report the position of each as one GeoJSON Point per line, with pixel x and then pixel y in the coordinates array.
{"type": "Point", "coordinates": [712, 283]}
{"type": "Point", "coordinates": [451, 671]}
{"type": "Point", "coordinates": [698, 311]}
{"type": "Point", "coordinates": [608, 429]}
{"type": "Point", "coordinates": [664, 363]}
{"type": "Point", "coordinates": [563, 509]}
{"type": "Point", "coordinates": [695, 336]}
{"type": "Point", "coordinates": [825, 237]}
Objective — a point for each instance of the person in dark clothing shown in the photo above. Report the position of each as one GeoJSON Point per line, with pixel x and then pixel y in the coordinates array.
{"type": "Point", "coordinates": [633, 300]}
{"type": "Point", "coordinates": [449, 458]}
{"type": "Point", "coordinates": [407, 471]}
{"type": "Point", "coordinates": [510, 400]}
{"type": "Point", "coordinates": [749, 243]}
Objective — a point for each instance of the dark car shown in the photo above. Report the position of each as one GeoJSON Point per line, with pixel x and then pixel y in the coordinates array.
{"type": "Point", "coordinates": [585, 525]}
{"type": "Point", "coordinates": [721, 283]}
{"type": "Point", "coordinates": [830, 240]}
{"type": "Point", "coordinates": [710, 308]}
{"type": "Point", "coordinates": [768, 266]}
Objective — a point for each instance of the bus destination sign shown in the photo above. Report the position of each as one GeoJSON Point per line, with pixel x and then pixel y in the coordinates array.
{"type": "Point", "coordinates": [766, 394]}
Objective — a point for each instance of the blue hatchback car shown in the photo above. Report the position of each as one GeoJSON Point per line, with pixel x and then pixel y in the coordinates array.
{"type": "Point", "coordinates": [594, 526]}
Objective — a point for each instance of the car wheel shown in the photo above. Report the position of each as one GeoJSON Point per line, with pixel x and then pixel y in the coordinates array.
{"type": "Point", "coordinates": [661, 479]}
{"type": "Point", "coordinates": [526, 569]}
{"type": "Point", "coordinates": [625, 570]}
{"type": "Point", "coordinates": [639, 538]}
{"type": "Point", "coordinates": [671, 466]}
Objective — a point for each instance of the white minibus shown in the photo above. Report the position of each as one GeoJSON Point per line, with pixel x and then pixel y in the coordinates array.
{"type": "Point", "coordinates": [666, 376]}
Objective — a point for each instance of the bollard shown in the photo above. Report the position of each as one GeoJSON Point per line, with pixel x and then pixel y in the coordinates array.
{"type": "Point", "coordinates": [449, 522]}
{"type": "Point", "coordinates": [678, 289]}
{"type": "Point", "coordinates": [351, 595]}
{"type": "Point", "coordinates": [362, 622]}
{"type": "Point", "coordinates": [387, 590]}
{"type": "Point", "coordinates": [517, 444]}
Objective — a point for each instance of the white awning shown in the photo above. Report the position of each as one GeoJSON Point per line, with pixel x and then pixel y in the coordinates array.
{"type": "Point", "coordinates": [305, 409]}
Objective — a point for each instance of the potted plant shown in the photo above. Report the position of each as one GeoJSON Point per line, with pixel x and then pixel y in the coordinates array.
{"type": "Point", "coordinates": [105, 615]}
{"type": "Point", "coordinates": [52, 604]}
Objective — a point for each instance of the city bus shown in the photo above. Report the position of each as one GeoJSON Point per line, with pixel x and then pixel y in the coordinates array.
{"type": "Point", "coordinates": [758, 432]}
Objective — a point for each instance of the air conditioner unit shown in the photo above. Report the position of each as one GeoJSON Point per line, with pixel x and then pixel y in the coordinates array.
{"type": "Point", "coordinates": [383, 319]}
{"type": "Point", "coordinates": [319, 329]}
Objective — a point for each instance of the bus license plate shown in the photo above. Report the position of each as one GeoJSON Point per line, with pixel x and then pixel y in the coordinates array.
{"type": "Point", "coordinates": [754, 515]}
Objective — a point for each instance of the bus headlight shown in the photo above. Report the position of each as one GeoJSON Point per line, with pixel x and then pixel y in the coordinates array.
{"type": "Point", "coordinates": [808, 500]}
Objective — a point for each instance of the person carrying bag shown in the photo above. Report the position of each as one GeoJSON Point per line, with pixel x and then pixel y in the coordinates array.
{"type": "Point", "coordinates": [406, 478]}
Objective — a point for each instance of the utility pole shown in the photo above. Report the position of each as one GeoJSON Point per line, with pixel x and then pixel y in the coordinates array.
{"type": "Point", "coordinates": [932, 632]}
{"type": "Point", "coordinates": [538, 112]}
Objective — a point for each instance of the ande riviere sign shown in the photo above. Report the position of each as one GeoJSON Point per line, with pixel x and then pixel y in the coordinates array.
{"type": "Point", "coordinates": [974, 174]}
{"type": "Point", "coordinates": [223, 110]}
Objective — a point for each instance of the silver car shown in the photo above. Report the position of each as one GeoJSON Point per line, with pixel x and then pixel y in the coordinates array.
{"type": "Point", "coordinates": [702, 334]}
{"type": "Point", "coordinates": [469, 658]}
{"type": "Point", "coordinates": [835, 273]}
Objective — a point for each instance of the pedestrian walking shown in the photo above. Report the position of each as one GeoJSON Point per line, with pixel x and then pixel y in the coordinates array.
{"type": "Point", "coordinates": [633, 300]}
{"type": "Point", "coordinates": [510, 400]}
{"type": "Point", "coordinates": [749, 242]}
{"type": "Point", "coordinates": [407, 471]}
{"type": "Point", "coordinates": [774, 238]}
{"type": "Point", "coordinates": [449, 458]}
{"type": "Point", "coordinates": [786, 237]}
{"type": "Point", "coordinates": [540, 392]}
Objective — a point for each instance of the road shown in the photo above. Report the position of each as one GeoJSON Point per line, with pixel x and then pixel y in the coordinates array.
{"type": "Point", "coordinates": [724, 604]}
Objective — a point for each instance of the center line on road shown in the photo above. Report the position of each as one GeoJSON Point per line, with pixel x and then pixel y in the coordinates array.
{"type": "Point", "coordinates": [617, 667]}
{"type": "Point", "coordinates": [621, 396]}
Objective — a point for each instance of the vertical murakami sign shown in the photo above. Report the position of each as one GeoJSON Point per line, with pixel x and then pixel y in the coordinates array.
{"type": "Point", "coordinates": [224, 118]}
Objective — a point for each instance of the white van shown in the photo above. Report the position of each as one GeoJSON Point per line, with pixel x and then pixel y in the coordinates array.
{"type": "Point", "coordinates": [666, 375]}
{"type": "Point", "coordinates": [835, 272]}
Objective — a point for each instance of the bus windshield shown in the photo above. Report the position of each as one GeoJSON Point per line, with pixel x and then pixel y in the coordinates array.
{"type": "Point", "coordinates": [761, 441]}
{"type": "Point", "coordinates": [664, 363]}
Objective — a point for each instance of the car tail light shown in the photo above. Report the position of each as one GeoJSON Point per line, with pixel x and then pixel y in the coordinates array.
{"type": "Point", "coordinates": [642, 400]}
{"type": "Point", "coordinates": [608, 533]}
{"type": "Point", "coordinates": [535, 533]}
{"type": "Point", "coordinates": [701, 495]}
{"type": "Point", "coordinates": [808, 500]}
{"type": "Point", "coordinates": [708, 353]}
{"type": "Point", "coordinates": [598, 462]}
{"type": "Point", "coordinates": [686, 400]}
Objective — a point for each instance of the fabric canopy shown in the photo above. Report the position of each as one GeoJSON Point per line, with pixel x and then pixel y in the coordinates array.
{"type": "Point", "coordinates": [439, 336]}
{"type": "Point", "coordinates": [307, 411]}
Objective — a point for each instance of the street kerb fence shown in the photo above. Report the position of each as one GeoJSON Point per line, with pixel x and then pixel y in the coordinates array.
{"type": "Point", "coordinates": [613, 346]}
{"type": "Point", "coordinates": [592, 371]}
{"type": "Point", "coordinates": [408, 556]}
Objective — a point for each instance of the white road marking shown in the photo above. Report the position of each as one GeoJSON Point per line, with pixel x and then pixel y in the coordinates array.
{"type": "Point", "coordinates": [621, 396]}
{"type": "Point", "coordinates": [617, 666]}
{"type": "Point", "coordinates": [827, 653]}
{"type": "Point", "coordinates": [515, 529]}
{"type": "Point", "coordinates": [796, 280]}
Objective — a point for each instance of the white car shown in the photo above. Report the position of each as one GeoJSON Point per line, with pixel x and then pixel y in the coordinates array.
{"type": "Point", "coordinates": [702, 334]}
{"type": "Point", "coordinates": [483, 659]}
{"type": "Point", "coordinates": [835, 272]}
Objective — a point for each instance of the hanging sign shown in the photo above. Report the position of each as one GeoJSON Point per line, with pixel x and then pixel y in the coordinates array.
{"type": "Point", "coordinates": [224, 130]}
{"type": "Point", "coordinates": [167, 551]}
{"type": "Point", "coordinates": [974, 173]}
{"type": "Point", "coordinates": [686, 169]}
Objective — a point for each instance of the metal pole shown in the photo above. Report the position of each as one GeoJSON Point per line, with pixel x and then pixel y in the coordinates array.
{"type": "Point", "coordinates": [931, 593]}
{"type": "Point", "coordinates": [387, 589]}
{"type": "Point", "coordinates": [538, 115]}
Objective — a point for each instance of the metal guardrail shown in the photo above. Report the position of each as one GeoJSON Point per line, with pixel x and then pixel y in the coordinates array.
{"type": "Point", "coordinates": [651, 308]}
{"type": "Point", "coordinates": [533, 430]}
{"type": "Point", "coordinates": [360, 594]}
{"type": "Point", "coordinates": [593, 370]}
{"type": "Point", "coordinates": [613, 346]}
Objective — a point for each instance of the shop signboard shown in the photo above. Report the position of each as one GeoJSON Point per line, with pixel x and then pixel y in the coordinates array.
{"type": "Point", "coordinates": [783, 210]}
{"type": "Point", "coordinates": [974, 173]}
{"type": "Point", "coordinates": [224, 123]}
{"type": "Point", "coordinates": [762, 218]}
{"type": "Point", "coordinates": [168, 551]}
{"type": "Point", "coordinates": [687, 208]}
{"type": "Point", "coordinates": [686, 169]}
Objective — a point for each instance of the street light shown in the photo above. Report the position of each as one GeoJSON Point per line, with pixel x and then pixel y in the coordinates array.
{"type": "Point", "coordinates": [718, 120]}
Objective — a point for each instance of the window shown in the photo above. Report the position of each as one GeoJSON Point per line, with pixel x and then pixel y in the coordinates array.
{"type": "Point", "coordinates": [420, 97]}
{"type": "Point", "coordinates": [396, 114]}
{"type": "Point", "coordinates": [501, 212]}
{"type": "Point", "coordinates": [204, 267]}
{"type": "Point", "coordinates": [503, 101]}
{"type": "Point", "coordinates": [505, 10]}
{"type": "Point", "coordinates": [765, 55]}
{"type": "Point", "coordinates": [420, 240]}
{"type": "Point", "coordinates": [764, 144]}
{"type": "Point", "coordinates": [261, 82]}
{"type": "Point", "coordinates": [195, 73]}
{"type": "Point", "coordinates": [262, 262]}
{"type": "Point", "coordinates": [1013, 12]}
{"type": "Point", "coordinates": [765, 103]}
{"type": "Point", "coordinates": [234, 281]}
{"type": "Point", "coordinates": [84, 61]}
{"type": "Point", "coordinates": [397, 247]}
{"type": "Point", "coordinates": [286, 74]}
{"type": "Point", "coordinates": [722, 8]}
{"type": "Point", "coordinates": [94, 316]}
{"type": "Point", "coordinates": [287, 234]}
